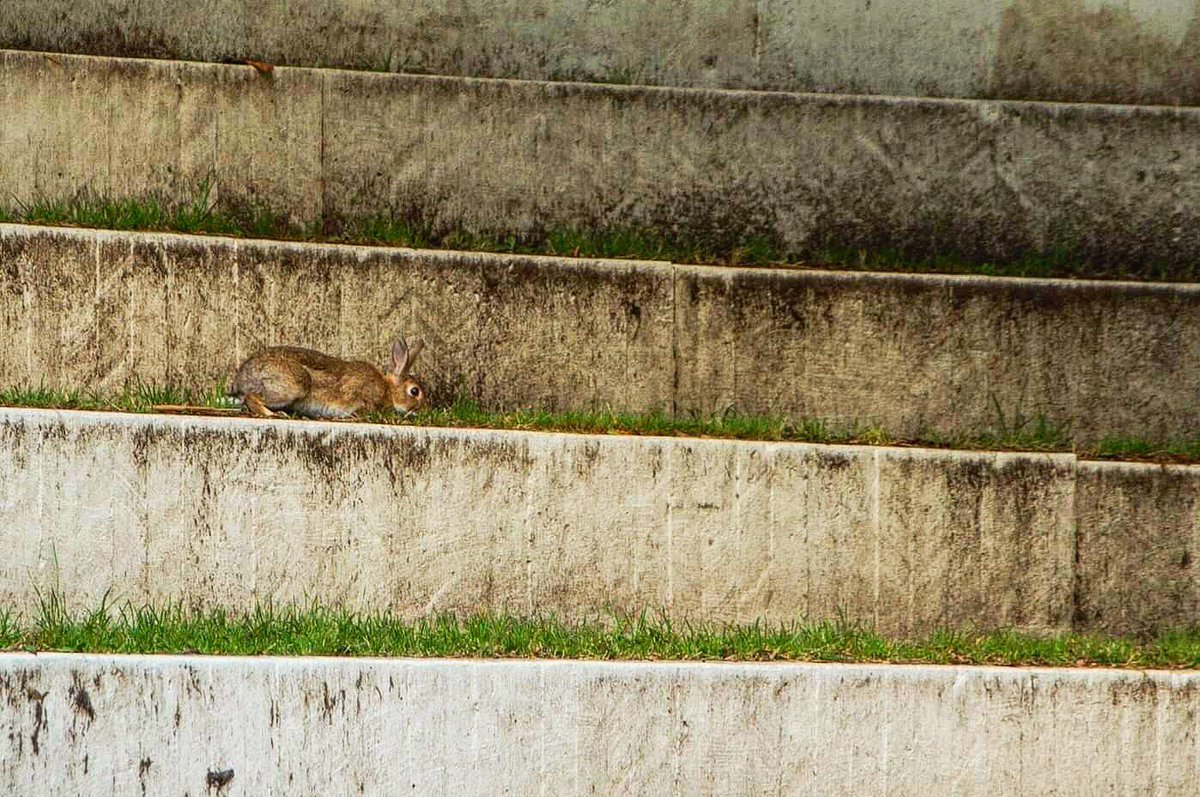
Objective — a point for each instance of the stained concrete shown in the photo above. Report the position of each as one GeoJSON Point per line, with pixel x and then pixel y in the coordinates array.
{"type": "Point", "coordinates": [913, 353]}
{"type": "Point", "coordinates": [1139, 538]}
{"type": "Point", "coordinates": [97, 310]}
{"type": "Point", "coordinates": [1093, 50]}
{"type": "Point", "coordinates": [916, 353]}
{"type": "Point", "coordinates": [1114, 185]}
{"type": "Point", "coordinates": [234, 512]}
{"type": "Point", "coordinates": [93, 724]}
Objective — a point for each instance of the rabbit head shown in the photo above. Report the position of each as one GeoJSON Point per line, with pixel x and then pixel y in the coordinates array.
{"type": "Point", "coordinates": [408, 394]}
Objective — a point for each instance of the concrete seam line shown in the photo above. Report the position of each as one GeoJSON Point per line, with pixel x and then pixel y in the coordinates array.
{"type": "Point", "coordinates": [630, 667]}
{"type": "Point", "coordinates": [335, 429]}
{"type": "Point", "coordinates": [164, 237]}
{"type": "Point", "coordinates": [675, 364]}
{"type": "Point", "coordinates": [21, 229]}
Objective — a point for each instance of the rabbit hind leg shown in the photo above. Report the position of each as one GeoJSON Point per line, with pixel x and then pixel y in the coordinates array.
{"type": "Point", "coordinates": [267, 386]}
{"type": "Point", "coordinates": [254, 405]}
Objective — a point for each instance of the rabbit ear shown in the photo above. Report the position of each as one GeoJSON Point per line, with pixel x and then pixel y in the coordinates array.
{"type": "Point", "coordinates": [404, 355]}
{"type": "Point", "coordinates": [400, 357]}
{"type": "Point", "coordinates": [414, 351]}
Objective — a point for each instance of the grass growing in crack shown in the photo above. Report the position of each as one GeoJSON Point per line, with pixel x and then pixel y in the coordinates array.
{"type": "Point", "coordinates": [333, 632]}
{"type": "Point", "coordinates": [135, 397]}
{"type": "Point", "coordinates": [1034, 434]}
{"type": "Point", "coordinates": [1180, 450]}
{"type": "Point", "coordinates": [201, 214]}
{"type": "Point", "coordinates": [195, 215]}
{"type": "Point", "coordinates": [1037, 435]}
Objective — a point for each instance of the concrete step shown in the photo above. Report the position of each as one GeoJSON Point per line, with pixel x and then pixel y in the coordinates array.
{"type": "Point", "coordinates": [233, 512]}
{"type": "Point", "coordinates": [983, 180]}
{"type": "Point", "coordinates": [87, 724]}
{"type": "Point", "coordinates": [1106, 51]}
{"type": "Point", "coordinates": [913, 353]}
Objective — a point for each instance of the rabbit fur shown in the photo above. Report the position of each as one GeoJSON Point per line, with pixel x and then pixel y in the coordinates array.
{"type": "Point", "coordinates": [289, 379]}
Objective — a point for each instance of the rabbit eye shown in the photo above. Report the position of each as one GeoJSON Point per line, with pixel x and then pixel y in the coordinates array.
{"type": "Point", "coordinates": [414, 391]}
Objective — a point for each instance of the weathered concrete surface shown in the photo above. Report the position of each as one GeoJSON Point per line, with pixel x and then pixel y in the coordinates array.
{"type": "Point", "coordinates": [915, 354]}
{"type": "Point", "coordinates": [1096, 50]}
{"type": "Point", "coordinates": [95, 310]}
{"type": "Point", "coordinates": [86, 724]}
{"type": "Point", "coordinates": [233, 512]}
{"type": "Point", "coordinates": [957, 529]}
{"type": "Point", "coordinates": [1135, 51]}
{"type": "Point", "coordinates": [125, 127]}
{"type": "Point", "coordinates": [1139, 539]}
{"type": "Point", "coordinates": [977, 179]}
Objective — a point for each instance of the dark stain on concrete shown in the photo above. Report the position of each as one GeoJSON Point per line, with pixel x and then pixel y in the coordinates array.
{"type": "Point", "coordinates": [143, 771]}
{"type": "Point", "coordinates": [1073, 51]}
{"type": "Point", "coordinates": [218, 779]}
{"type": "Point", "coordinates": [1136, 572]}
{"type": "Point", "coordinates": [39, 717]}
{"type": "Point", "coordinates": [122, 40]}
{"type": "Point", "coordinates": [1025, 332]}
{"type": "Point", "coordinates": [81, 702]}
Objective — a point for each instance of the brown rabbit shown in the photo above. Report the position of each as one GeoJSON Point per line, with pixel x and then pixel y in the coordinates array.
{"type": "Point", "coordinates": [309, 383]}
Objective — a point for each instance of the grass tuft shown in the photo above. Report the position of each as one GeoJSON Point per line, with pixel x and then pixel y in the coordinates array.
{"type": "Point", "coordinates": [1036, 435]}
{"type": "Point", "coordinates": [201, 214]}
{"type": "Point", "coordinates": [134, 397]}
{"type": "Point", "coordinates": [317, 631]}
{"type": "Point", "coordinates": [1177, 450]}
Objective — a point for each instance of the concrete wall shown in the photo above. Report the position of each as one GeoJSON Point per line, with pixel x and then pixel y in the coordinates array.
{"type": "Point", "coordinates": [920, 353]}
{"type": "Point", "coordinates": [983, 180]}
{"type": "Point", "coordinates": [1096, 50]}
{"type": "Point", "coordinates": [80, 724]}
{"type": "Point", "coordinates": [85, 309]}
{"type": "Point", "coordinates": [230, 512]}
{"type": "Point", "coordinates": [233, 512]}
{"type": "Point", "coordinates": [1138, 545]}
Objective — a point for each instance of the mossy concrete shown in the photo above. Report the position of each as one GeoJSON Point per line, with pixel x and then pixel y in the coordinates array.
{"type": "Point", "coordinates": [1107, 51]}
{"type": "Point", "coordinates": [82, 309]}
{"type": "Point", "coordinates": [1138, 545]}
{"type": "Point", "coordinates": [95, 310]}
{"type": "Point", "coordinates": [979, 180]}
{"type": "Point", "coordinates": [231, 512]}
{"type": "Point", "coordinates": [923, 353]}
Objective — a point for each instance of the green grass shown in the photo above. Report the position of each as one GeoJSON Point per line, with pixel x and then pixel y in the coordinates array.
{"type": "Point", "coordinates": [318, 631]}
{"type": "Point", "coordinates": [135, 397]}
{"type": "Point", "coordinates": [467, 414]}
{"type": "Point", "coordinates": [1037, 435]}
{"type": "Point", "coordinates": [1182, 450]}
{"type": "Point", "coordinates": [199, 214]}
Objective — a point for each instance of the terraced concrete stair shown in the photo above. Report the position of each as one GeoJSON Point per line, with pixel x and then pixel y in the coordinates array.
{"type": "Point", "coordinates": [166, 724]}
{"type": "Point", "coordinates": [915, 354]}
{"type": "Point", "coordinates": [226, 513]}
{"type": "Point", "coordinates": [982, 180]}
{"type": "Point", "coordinates": [1104, 51]}
{"type": "Point", "coordinates": [234, 512]}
